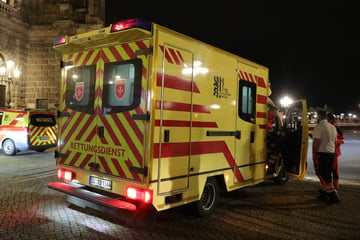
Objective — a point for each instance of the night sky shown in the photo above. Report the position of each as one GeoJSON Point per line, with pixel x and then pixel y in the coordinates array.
{"type": "Point", "coordinates": [310, 47]}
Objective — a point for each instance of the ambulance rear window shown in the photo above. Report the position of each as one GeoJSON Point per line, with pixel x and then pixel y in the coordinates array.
{"type": "Point", "coordinates": [43, 120]}
{"type": "Point", "coordinates": [80, 82]}
{"type": "Point", "coordinates": [122, 86]}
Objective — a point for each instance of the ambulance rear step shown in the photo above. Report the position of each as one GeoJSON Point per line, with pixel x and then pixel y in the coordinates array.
{"type": "Point", "coordinates": [92, 196]}
{"type": "Point", "coordinates": [142, 216]}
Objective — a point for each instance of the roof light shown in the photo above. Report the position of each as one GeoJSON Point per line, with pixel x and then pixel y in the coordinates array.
{"type": "Point", "coordinates": [131, 23]}
{"type": "Point", "coordinates": [59, 40]}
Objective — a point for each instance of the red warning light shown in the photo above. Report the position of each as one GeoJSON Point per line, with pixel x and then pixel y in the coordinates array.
{"type": "Point", "coordinates": [59, 40]}
{"type": "Point", "coordinates": [131, 23]}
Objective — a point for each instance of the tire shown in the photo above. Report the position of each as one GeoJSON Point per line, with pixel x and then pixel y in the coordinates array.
{"type": "Point", "coordinates": [209, 198]}
{"type": "Point", "coordinates": [9, 147]}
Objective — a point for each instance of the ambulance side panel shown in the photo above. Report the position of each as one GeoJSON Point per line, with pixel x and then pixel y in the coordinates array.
{"type": "Point", "coordinates": [199, 129]}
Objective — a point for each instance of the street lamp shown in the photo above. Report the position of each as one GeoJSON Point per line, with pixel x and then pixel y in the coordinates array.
{"type": "Point", "coordinates": [285, 102]}
{"type": "Point", "coordinates": [8, 72]}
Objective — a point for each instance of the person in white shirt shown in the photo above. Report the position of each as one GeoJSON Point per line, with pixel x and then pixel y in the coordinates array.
{"type": "Point", "coordinates": [323, 151]}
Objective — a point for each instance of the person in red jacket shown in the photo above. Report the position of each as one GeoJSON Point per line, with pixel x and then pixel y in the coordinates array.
{"type": "Point", "coordinates": [273, 137]}
{"type": "Point", "coordinates": [340, 140]}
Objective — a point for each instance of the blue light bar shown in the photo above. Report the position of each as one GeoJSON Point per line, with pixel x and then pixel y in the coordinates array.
{"type": "Point", "coordinates": [131, 23]}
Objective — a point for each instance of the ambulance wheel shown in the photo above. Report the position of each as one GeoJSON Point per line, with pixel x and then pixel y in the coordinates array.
{"type": "Point", "coordinates": [9, 147]}
{"type": "Point", "coordinates": [209, 197]}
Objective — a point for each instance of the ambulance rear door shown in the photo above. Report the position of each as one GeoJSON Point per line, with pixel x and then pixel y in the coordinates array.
{"type": "Point", "coordinates": [42, 130]}
{"type": "Point", "coordinates": [295, 142]}
{"type": "Point", "coordinates": [103, 112]}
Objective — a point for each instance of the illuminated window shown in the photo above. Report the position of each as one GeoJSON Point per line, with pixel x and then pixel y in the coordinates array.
{"type": "Point", "coordinates": [247, 101]}
{"type": "Point", "coordinates": [80, 84]}
{"type": "Point", "coordinates": [122, 86]}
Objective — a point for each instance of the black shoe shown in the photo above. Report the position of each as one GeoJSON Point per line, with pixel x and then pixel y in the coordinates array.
{"type": "Point", "coordinates": [324, 198]}
{"type": "Point", "coordinates": [322, 192]}
{"type": "Point", "coordinates": [333, 198]}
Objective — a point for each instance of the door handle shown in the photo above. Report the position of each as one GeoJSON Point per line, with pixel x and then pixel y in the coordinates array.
{"type": "Point", "coordinates": [101, 131]}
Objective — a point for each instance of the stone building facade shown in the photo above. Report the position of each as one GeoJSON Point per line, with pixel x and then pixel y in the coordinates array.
{"type": "Point", "coordinates": [27, 30]}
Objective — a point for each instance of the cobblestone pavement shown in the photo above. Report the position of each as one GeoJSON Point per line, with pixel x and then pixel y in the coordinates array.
{"type": "Point", "coordinates": [30, 210]}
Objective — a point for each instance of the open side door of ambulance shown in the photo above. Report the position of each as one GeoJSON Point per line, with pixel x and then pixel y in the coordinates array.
{"type": "Point", "coordinates": [295, 142]}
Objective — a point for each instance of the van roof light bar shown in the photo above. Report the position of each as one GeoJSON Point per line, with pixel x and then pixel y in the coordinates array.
{"type": "Point", "coordinates": [131, 23]}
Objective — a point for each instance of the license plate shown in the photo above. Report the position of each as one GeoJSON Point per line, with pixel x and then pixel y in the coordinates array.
{"type": "Point", "coordinates": [44, 138]}
{"type": "Point", "coordinates": [100, 182]}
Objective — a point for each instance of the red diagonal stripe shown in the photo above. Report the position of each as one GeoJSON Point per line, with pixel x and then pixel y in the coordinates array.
{"type": "Point", "coordinates": [96, 59]}
{"type": "Point", "coordinates": [134, 175]}
{"type": "Point", "coordinates": [118, 167]}
{"type": "Point", "coordinates": [178, 123]}
{"type": "Point", "coordinates": [251, 78]}
{"type": "Point", "coordinates": [198, 148]}
{"type": "Point", "coordinates": [262, 126]}
{"type": "Point", "coordinates": [260, 82]}
{"type": "Point", "coordinates": [77, 58]}
{"type": "Point", "coordinates": [69, 57]}
{"type": "Point", "coordinates": [115, 53]}
{"type": "Point", "coordinates": [174, 56]}
{"type": "Point", "coordinates": [110, 131]}
{"type": "Point", "coordinates": [180, 56]}
{"type": "Point", "coordinates": [141, 45]}
{"type": "Point", "coordinates": [62, 160]}
{"type": "Point", "coordinates": [260, 114]}
{"type": "Point", "coordinates": [105, 165]}
{"type": "Point", "coordinates": [104, 57]}
{"type": "Point", "coordinates": [183, 107]}
{"type": "Point", "coordinates": [134, 127]}
{"type": "Point", "coordinates": [74, 125]}
{"type": "Point", "coordinates": [85, 161]}
{"type": "Point", "coordinates": [91, 135]}
{"type": "Point", "coordinates": [85, 128]}
{"type": "Point", "coordinates": [167, 56]}
{"type": "Point", "coordinates": [15, 121]}
{"type": "Point", "coordinates": [129, 141]}
{"type": "Point", "coordinates": [175, 83]}
{"type": "Point", "coordinates": [75, 159]}
{"type": "Point", "coordinates": [241, 75]}
{"type": "Point", "coordinates": [88, 55]}
{"type": "Point", "coordinates": [261, 99]}
{"type": "Point", "coordinates": [129, 51]}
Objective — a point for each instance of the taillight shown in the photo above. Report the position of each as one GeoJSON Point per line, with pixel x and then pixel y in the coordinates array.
{"type": "Point", "coordinates": [139, 194]}
{"type": "Point", "coordinates": [65, 175]}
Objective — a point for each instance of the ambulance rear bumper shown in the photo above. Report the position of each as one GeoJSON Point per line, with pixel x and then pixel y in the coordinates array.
{"type": "Point", "coordinates": [142, 215]}
{"type": "Point", "coordinates": [92, 196]}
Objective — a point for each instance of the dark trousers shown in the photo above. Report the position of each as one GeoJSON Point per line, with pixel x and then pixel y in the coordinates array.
{"type": "Point", "coordinates": [323, 167]}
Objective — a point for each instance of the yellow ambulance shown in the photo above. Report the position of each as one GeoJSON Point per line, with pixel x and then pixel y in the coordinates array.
{"type": "Point", "coordinates": [22, 130]}
{"type": "Point", "coordinates": [151, 119]}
